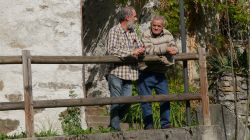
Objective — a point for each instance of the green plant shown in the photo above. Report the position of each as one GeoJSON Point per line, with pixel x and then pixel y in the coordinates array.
{"type": "Point", "coordinates": [170, 10]}
{"type": "Point", "coordinates": [46, 129]}
{"type": "Point", "coordinates": [134, 114]}
{"type": "Point", "coordinates": [177, 109]}
{"type": "Point", "coordinates": [70, 119]}
{"type": "Point", "coordinates": [43, 133]}
{"type": "Point", "coordinates": [47, 133]}
{"type": "Point", "coordinates": [102, 129]}
{"type": "Point", "coordinates": [3, 136]}
{"type": "Point", "coordinates": [71, 123]}
{"type": "Point", "coordinates": [14, 136]}
{"type": "Point", "coordinates": [220, 63]}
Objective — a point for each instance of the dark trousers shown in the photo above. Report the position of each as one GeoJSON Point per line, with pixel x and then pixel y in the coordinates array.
{"type": "Point", "coordinates": [146, 83]}
{"type": "Point", "coordinates": [118, 87]}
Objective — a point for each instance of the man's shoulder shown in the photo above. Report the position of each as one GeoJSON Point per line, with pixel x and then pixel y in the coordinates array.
{"type": "Point", "coordinates": [115, 28]}
{"type": "Point", "coordinates": [166, 32]}
{"type": "Point", "coordinates": [146, 33]}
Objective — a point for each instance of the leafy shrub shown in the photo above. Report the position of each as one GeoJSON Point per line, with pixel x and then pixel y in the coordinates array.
{"type": "Point", "coordinates": [177, 109]}
{"type": "Point", "coordinates": [70, 119]}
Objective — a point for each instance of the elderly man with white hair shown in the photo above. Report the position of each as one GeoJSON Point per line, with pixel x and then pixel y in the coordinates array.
{"type": "Point", "coordinates": [157, 41]}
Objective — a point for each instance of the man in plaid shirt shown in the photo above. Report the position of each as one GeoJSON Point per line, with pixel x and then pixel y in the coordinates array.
{"type": "Point", "coordinates": [122, 42]}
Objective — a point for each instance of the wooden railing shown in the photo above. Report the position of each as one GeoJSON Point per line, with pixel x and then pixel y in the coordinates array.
{"type": "Point", "coordinates": [28, 104]}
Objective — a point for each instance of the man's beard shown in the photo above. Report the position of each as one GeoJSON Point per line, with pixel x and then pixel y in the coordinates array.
{"type": "Point", "coordinates": [131, 26]}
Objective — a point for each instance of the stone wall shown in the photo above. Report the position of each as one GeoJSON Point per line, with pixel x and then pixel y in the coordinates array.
{"type": "Point", "coordinates": [223, 94]}
{"type": "Point", "coordinates": [187, 133]}
{"type": "Point", "coordinates": [98, 18]}
{"type": "Point", "coordinates": [54, 28]}
{"type": "Point", "coordinates": [44, 27]}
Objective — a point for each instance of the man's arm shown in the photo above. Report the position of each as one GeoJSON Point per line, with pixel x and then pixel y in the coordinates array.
{"type": "Point", "coordinates": [161, 45]}
{"type": "Point", "coordinates": [114, 47]}
{"type": "Point", "coordinates": [146, 40]}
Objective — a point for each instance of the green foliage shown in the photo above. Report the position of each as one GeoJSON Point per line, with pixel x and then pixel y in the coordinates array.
{"type": "Point", "coordinates": [170, 10]}
{"type": "Point", "coordinates": [138, 30]}
{"type": "Point", "coordinates": [70, 119]}
{"type": "Point", "coordinates": [43, 133]}
{"type": "Point", "coordinates": [47, 133]}
{"type": "Point", "coordinates": [71, 122]}
{"type": "Point", "coordinates": [195, 12]}
{"type": "Point", "coordinates": [220, 63]}
{"type": "Point", "coordinates": [50, 132]}
{"type": "Point", "coordinates": [177, 109]}
{"type": "Point", "coordinates": [14, 136]}
{"type": "Point", "coordinates": [239, 18]}
{"type": "Point", "coordinates": [3, 136]}
{"type": "Point", "coordinates": [134, 114]}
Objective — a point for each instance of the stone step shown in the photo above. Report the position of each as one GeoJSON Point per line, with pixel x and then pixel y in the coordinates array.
{"type": "Point", "coordinates": [213, 132]}
{"type": "Point", "coordinates": [96, 110]}
{"type": "Point", "coordinates": [97, 119]}
{"type": "Point", "coordinates": [95, 125]}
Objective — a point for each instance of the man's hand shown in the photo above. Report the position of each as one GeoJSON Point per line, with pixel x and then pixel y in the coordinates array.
{"type": "Point", "coordinates": [172, 50]}
{"type": "Point", "coordinates": [138, 51]}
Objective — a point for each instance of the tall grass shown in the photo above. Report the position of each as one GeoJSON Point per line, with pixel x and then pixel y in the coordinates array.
{"type": "Point", "coordinates": [177, 109]}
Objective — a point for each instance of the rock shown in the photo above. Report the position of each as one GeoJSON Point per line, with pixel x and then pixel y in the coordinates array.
{"type": "Point", "coordinates": [7, 125]}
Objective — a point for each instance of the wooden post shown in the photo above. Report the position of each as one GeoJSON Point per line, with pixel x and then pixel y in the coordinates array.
{"type": "Point", "coordinates": [204, 86]}
{"type": "Point", "coordinates": [28, 98]}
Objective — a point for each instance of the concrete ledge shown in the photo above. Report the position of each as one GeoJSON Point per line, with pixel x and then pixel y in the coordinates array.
{"type": "Point", "coordinates": [226, 120]}
{"type": "Point", "coordinates": [186, 133]}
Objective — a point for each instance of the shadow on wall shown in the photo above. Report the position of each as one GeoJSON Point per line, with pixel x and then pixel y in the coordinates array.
{"type": "Point", "coordinates": [98, 18]}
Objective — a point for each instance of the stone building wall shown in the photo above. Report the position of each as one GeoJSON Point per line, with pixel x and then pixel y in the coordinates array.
{"type": "Point", "coordinates": [224, 94]}
{"type": "Point", "coordinates": [54, 28]}
{"type": "Point", "coordinates": [45, 27]}
{"type": "Point", "coordinates": [98, 18]}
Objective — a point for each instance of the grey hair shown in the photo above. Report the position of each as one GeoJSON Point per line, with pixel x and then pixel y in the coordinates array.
{"type": "Point", "coordinates": [158, 18]}
{"type": "Point", "coordinates": [126, 11]}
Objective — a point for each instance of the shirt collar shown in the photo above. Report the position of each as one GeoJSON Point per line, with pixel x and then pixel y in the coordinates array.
{"type": "Point", "coordinates": [120, 27]}
{"type": "Point", "coordinates": [155, 36]}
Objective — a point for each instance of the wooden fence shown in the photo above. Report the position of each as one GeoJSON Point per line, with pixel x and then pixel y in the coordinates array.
{"type": "Point", "coordinates": [28, 104]}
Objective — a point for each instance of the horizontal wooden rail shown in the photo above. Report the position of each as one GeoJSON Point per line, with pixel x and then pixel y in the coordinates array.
{"type": "Point", "coordinates": [89, 59]}
{"type": "Point", "coordinates": [99, 101]}
{"type": "Point", "coordinates": [10, 59]}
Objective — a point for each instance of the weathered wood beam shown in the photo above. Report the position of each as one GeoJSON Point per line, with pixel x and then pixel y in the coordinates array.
{"type": "Point", "coordinates": [204, 86]}
{"type": "Point", "coordinates": [28, 98]}
{"type": "Point", "coordinates": [10, 59]}
{"type": "Point", "coordinates": [90, 59]}
{"type": "Point", "coordinates": [99, 101]}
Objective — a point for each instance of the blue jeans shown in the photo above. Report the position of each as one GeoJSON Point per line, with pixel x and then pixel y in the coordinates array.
{"type": "Point", "coordinates": [148, 81]}
{"type": "Point", "coordinates": [118, 87]}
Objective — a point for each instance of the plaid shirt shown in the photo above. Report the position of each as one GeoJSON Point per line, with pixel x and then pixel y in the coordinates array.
{"type": "Point", "coordinates": [121, 44]}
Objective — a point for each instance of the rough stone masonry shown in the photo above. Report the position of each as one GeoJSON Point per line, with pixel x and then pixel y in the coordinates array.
{"type": "Point", "coordinates": [45, 28]}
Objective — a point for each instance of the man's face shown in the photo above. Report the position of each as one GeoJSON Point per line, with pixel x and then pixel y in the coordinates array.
{"type": "Point", "coordinates": [156, 27]}
{"type": "Point", "coordinates": [131, 20]}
